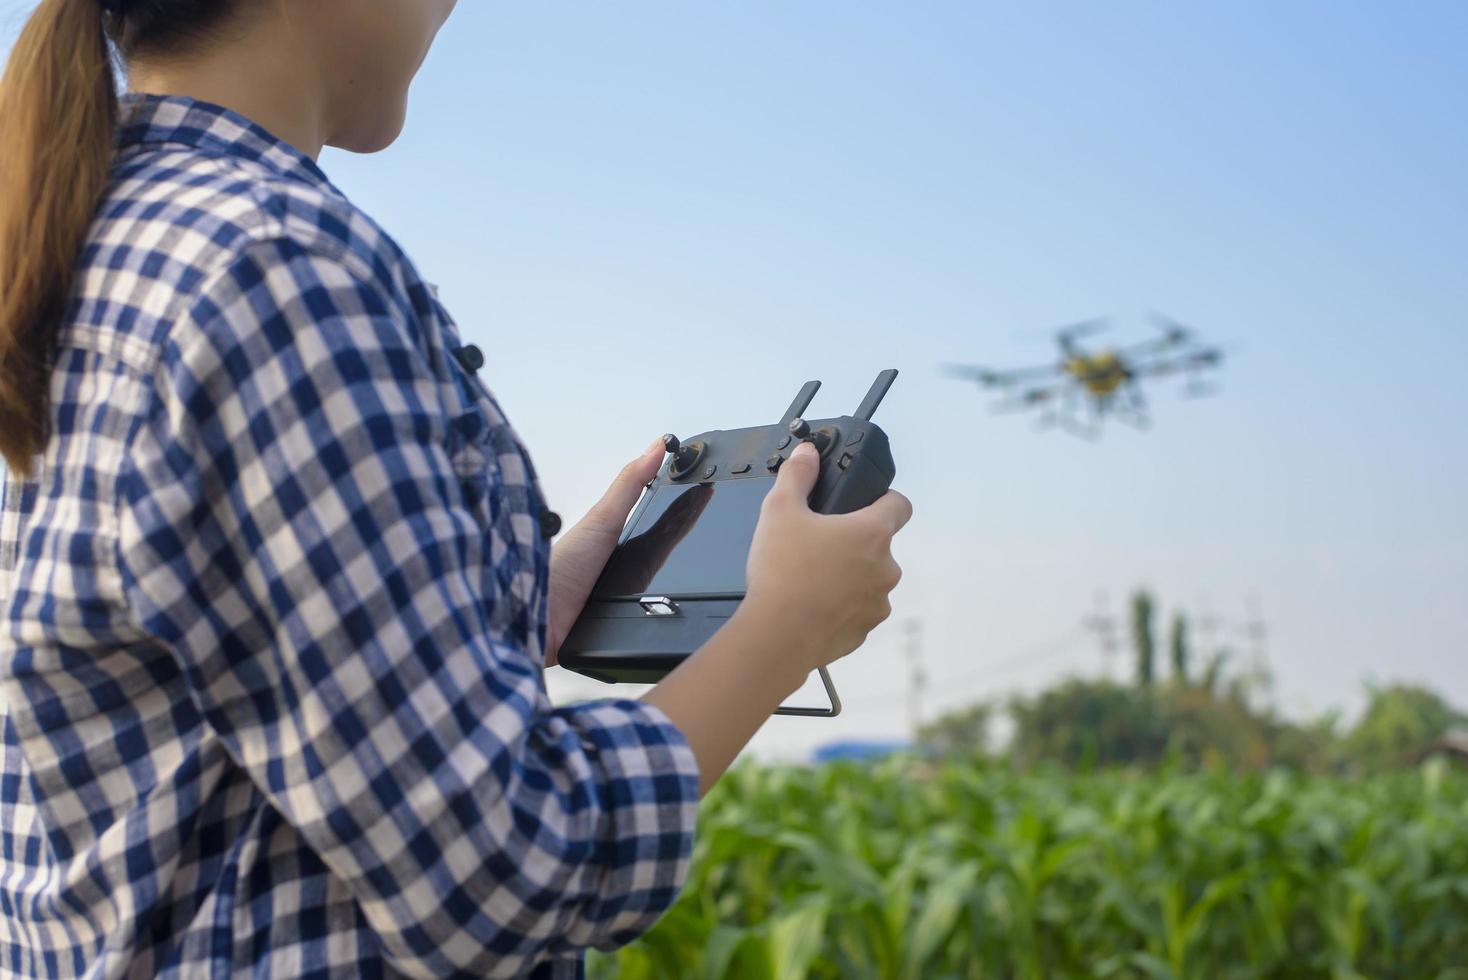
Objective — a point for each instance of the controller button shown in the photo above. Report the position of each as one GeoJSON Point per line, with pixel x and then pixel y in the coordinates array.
{"type": "Point", "coordinates": [708, 471]}
{"type": "Point", "coordinates": [855, 437]}
{"type": "Point", "coordinates": [658, 605]}
{"type": "Point", "coordinates": [740, 468]}
{"type": "Point", "coordinates": [799, 428]}
{"type": "Point", "coordinates": [844, 461]}
{"type": "Point", "coordinates": [784, 441]}
{"type": "Point", "coordinates": [773, 463]}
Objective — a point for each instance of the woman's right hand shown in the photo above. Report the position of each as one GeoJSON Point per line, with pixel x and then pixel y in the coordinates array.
{"type": "Point", "coordinates": [816, 584]}
{"type": "Point", "coordinates": [821, 580]}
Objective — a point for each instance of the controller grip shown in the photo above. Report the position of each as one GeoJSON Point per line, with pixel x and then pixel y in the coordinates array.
{"type": "Point", "coordinates": [866, 476]}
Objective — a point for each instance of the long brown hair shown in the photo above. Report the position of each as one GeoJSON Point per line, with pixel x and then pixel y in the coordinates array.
{"type": "Point", "coordinates": [58, 109]}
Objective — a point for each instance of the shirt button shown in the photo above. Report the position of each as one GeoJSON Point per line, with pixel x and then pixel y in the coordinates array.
{"type": "Point", "coordinates": [470, 357]}
{"type": "Point", "coordinates": [550, 523]}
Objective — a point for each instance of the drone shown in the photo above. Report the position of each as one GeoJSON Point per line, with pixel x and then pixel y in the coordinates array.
{"type": "Point", "coordinates": [1085, 387]}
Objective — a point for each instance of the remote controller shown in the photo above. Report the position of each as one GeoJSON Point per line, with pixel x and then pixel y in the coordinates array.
{"type": "Point", "coordinates": [677, 573]}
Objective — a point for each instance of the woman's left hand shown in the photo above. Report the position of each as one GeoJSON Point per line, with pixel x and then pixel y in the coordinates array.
{"type": "Point", "coordinates": [579, 555]}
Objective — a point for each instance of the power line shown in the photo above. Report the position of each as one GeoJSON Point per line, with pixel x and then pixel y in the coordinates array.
{"type": "Point", "coordinates": [1040, 653]}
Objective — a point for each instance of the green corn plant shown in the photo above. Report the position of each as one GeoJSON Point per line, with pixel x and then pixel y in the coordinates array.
{"type": "Point", "coordinates": [909, 869]}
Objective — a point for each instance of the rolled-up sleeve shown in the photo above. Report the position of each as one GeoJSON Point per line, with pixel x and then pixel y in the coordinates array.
{"type": "Point", "coordinates": [292, 526]}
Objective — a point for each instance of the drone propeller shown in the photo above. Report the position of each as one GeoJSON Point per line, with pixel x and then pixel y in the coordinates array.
{"type": "Point", "coordinates": [1174, 332]}
{"type": "Point", "coordinates": [1207, 357]}
{"type": "Point", "coordinates": [972, 372]}
{"type": "Point", "coordinates": [1179, 348]}
{"type": "Point", "coordinates": [1024, 401]}
{"type": "Point", "coordinates": [998, 379]}
{"type": "Point", "coordinates": [1084, 328]}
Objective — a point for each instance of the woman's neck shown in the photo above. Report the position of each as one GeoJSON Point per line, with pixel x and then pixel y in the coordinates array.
{"type": "Point", "coordinates": [265, 76]}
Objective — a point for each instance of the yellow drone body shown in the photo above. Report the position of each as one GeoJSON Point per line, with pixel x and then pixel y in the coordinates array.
{"type": "Point", "coordinates": [1101, 374]}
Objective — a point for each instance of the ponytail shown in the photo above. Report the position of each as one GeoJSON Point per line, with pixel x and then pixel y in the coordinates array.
{"type": "Point", "coordinates": [58, 108]}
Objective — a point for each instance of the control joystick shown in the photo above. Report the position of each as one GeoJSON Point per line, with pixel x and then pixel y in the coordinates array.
{"type": "Point", "coordinates": [685, 455]}
{"type": "Point", "coordinates": [823, 438]}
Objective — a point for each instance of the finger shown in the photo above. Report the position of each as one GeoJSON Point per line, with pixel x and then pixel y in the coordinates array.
{"type": "Point", "coordinates": [893, 508]}
{"type": "Point", "coordinates": [798, 475]}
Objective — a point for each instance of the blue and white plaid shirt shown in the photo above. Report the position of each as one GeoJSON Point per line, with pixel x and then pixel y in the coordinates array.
{"type": "Point", "coordinates": [273, 612]}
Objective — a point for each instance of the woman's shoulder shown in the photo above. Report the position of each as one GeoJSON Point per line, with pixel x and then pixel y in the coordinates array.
{"type": "Point", "coordinates": [203, 208]}
{"type": "Point", "coordinates": [187, 199]}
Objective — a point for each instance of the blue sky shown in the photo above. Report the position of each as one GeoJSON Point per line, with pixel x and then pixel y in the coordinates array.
{"type": "Point", "coordinates": [666, 217]}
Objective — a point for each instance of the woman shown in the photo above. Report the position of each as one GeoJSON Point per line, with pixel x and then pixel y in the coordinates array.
{"type": "Point", "coordinates": [277, 584]}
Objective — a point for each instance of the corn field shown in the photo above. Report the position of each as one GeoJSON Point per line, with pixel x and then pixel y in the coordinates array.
{"type": "Point", "coordinates": [904, 870]}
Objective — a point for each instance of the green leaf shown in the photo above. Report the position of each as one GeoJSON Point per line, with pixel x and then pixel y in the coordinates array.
{"type": "Point", "coordinates": [941, 908]}
{"type": "Point", "coordinates": [718, 953]}
{"type": "Point", "coordinates": [796, 938]}
{"type": "Point", "coordinates": [1152, 966]}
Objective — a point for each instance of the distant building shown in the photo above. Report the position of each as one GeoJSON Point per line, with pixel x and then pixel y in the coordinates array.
{"type": "Point", "coordinates": [859, 749]}
{"type": "Point", "coordinates": [1453, 745]}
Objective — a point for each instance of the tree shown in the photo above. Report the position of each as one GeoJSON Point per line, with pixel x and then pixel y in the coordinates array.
{"type": "Point", "coordinates": [1214, 671]}
{"type": "Point", "coordinates": [1142, 638]}
{"type": "Point", "coordinates": [1082, 723]}
{"type": "Point", "coordinates": [1180, 649]}
{"type": "Point", "coordinates": [962, 732]}
{"type": "Point", "coordinates": [1205, 731]}
{"type": "Point", "coordinates": [1088, 723]}
{"type": "Point", "coordinates": [1400, 722]}
{"type": "Point", "coordinates": [1310, 746]}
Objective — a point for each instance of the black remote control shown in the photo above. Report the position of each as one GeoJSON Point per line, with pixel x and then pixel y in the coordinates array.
{"type": "Point", "coordinates": [677, 573]}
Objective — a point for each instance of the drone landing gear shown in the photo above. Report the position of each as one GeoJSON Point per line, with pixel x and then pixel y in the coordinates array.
{"type": "Point", "coordinates": [1133, 409]}
{"type": "Point", "coordinates": [1068, 416]}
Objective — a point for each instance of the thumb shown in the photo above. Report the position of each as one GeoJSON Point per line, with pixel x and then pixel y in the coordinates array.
{"type": "Point", "coordinates": [617, 502]}
{"type": "Point", "coordinates": [797, 477]}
